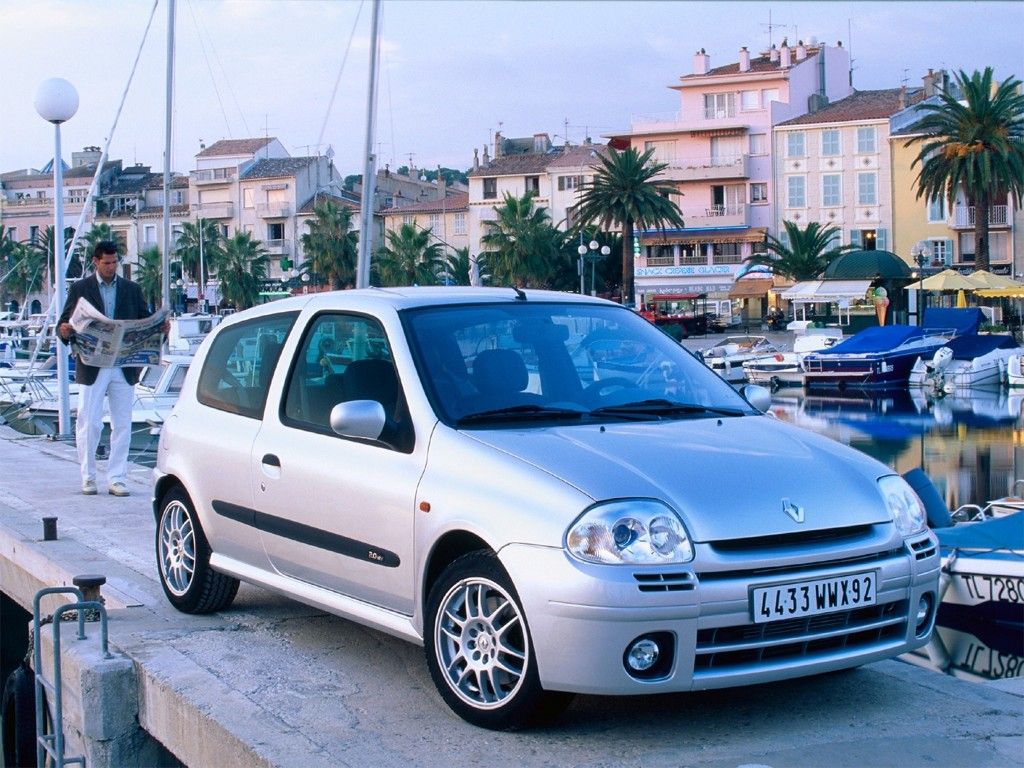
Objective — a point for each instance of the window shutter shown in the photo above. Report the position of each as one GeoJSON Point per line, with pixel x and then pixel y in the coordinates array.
{"type": "Point", "coordinates": [855, 238]}
{"type": "Point", "coordinates": [880, 240]}
{"type": "Point", "coordinates": [949, 251]}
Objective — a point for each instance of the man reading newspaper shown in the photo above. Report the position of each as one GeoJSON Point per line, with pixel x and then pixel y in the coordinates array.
{"type": "Point", "coordinates": [108, 355]}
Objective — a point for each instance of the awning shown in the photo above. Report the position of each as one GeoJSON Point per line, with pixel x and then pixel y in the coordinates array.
{"type": "Point", "coordinates": [704, 235]}
{"type": "Point", "coordinates": [750, 288]}
{"type": "Point", "coordinates": [1001, 293]}
{"type": "Point", "coordinates": [810, 291]}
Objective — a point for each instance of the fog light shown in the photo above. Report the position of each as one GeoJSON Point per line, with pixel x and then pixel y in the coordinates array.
{"type": "Point", "coordinates": [924, 613]}
{"type": "Point", "coordinates": [642, 655]}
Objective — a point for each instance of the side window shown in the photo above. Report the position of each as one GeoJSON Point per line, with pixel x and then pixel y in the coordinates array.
{"type": "Point", "coordinates": [346, 357]}
{"type": "Point", "coordinates": [237, 371]}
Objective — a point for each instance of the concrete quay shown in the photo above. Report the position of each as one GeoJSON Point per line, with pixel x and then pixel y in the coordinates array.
{"type": "Point", "coordinates": [270, 682]}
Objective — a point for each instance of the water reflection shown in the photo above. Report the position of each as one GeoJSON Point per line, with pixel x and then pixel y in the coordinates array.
{"type": "Point", "coordinates": [970, 446]}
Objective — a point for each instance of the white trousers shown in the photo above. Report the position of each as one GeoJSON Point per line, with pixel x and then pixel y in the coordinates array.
{"type": "Point", "coordinates": [110, 384]}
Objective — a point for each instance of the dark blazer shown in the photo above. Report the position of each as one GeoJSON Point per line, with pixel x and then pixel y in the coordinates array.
{"type": "Point", "coordinates": [131, 305]}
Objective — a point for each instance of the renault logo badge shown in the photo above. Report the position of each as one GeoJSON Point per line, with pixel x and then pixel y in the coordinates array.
{"type": "Point", "coordinates": [794, 511]}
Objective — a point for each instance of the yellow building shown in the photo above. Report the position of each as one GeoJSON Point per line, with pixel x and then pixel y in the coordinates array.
{"type": "Point", "coordinates": [445, 218]}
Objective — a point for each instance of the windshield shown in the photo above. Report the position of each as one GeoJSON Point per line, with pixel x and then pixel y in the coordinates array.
{"type": "Point", "coordinates": [523, 362]}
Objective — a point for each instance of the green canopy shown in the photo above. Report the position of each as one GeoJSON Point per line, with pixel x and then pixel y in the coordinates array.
{"type": "Point", "coordinates": [867, 265]}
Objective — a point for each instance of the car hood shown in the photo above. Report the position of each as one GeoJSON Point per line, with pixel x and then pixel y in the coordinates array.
{"type": "Point", "coordinates": [727, 478]}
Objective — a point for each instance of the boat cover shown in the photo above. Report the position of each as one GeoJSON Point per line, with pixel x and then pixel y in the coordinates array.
{"type": "Point", "coordinates": [996, 533]}
{"type": "Point", "coordinates": [880, 338]}
{"type": "Point", "coordinates": [974, 345]}
{"type": "Point", "coordinates": [963, 320]}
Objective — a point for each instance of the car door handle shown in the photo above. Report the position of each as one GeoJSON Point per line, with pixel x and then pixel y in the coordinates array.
{"type": "Point", "coordinates": [271, 460]}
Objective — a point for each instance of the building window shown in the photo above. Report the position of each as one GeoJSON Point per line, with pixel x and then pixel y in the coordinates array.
{"type": "Point", "coordinates": [942, 252]}
{"type": "Point", "coordinates": [796, 192]}
{"type": "Point", "coordinates": [831, 190]}
{"type": "Point", "coordinates": [33, 234]}
{"type": "Point", "coordinates": [408, 218]}
{"type": "Point", "coordinates": [758, 144]}
{"type": "Point", "coordinates": [275, 231]}
{"type": "Point", "coordinates": [726, 253]}
{"type": "Point", "coordinates": [569, 182]}
{"type": "Point", "coordinates": [937, 209]}
{"type": "Point", "coordinates": [248, 198]}
{"type": "Point", "coordinates": [459, 223]}
{"type": "Point", "coordinates": [718, 105]}
{"type": "Point", "coordinates": [866, 194]}
{"type": "Point", "coordinates": [533, 184]}
{"type": "Point", "coordinates": [866, 139]}
{"type": "Point", "coordinates": [434, 223]}
{"type": "Point", "coordinates": [795, 144]}
{"type": "Point", "coordinates": [750, 100]}
{"type": "Point", "coordinates": [830, 142]}
{"type": "Point", "coordinates": [768, 95]}
{"type": "Point", "coordinates": [759, 192]}
{"type": "Point", "coordinates": [664, 151]}
{"type": "Point", "coordinates": [150, 234]}
{"type": "Point", "coordinates": [490, 188]}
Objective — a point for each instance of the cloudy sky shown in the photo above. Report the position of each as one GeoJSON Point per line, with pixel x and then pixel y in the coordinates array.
{"type": "Point", "coordinates": [452, 72]}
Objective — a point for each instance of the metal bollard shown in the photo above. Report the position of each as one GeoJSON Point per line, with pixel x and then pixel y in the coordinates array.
{"type": "Point", "coordinates": [49, 529]}
{"type": "Point", "coordinates": [90, 585]}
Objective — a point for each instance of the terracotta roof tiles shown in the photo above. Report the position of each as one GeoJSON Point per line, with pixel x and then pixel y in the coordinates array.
{"type": "Point", "coordinates": [861, 105]}
{"type": "Point", "coordinates": [235, 147]}
{"type": "Point", "coordinates": [456, 202]}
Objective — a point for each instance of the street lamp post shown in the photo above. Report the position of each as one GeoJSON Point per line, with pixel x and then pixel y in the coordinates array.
{"type": "Point", "coordinates": [593, 252]}
{"type": "Point", "coordinates": [921, 253]}
{"type": "Point", "coordinates": [56, 102]}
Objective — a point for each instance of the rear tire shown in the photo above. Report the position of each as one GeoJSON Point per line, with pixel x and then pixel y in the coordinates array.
{"type": "Point", "coordinates": [479, 650]}
{"type": "Point", "coordinates": [183, 559]}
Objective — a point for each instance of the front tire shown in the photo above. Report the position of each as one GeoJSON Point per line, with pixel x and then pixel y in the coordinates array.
{"type": "Point", "coordinates": [479, 651]}
{"type": "Point", "coordinates": [183, 559]}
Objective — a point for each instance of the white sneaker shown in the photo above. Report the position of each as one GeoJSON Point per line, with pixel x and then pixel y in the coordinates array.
{"type": "Point", "coordinates": [89, 487]}
{"type": "Point", "coordinates": [118, 489]}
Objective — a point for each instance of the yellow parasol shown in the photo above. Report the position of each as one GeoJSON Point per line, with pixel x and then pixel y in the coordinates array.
{"type": "Point", "coordinates": [961, 299]}
{"type": "Point", "coordinates": [946, 280]}
{"type": "Point", "coordinates": [991, 280]}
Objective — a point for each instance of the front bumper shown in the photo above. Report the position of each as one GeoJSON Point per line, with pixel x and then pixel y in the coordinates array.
{"type": "Point", "coordinates": [583, 617]}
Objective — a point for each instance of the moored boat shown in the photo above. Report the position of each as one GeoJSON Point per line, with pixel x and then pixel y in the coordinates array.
{"type": "Point", "coordinates": [967, 361]}
{"type": "Point", "coordinates": [728, 356]}
{"type": "Point", "coordinates": [785, 369]}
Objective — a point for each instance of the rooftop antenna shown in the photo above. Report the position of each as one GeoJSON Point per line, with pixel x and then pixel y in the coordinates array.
{"type": "Point", "coordinates": [770, 27]}
{"type": "Point", "coordinates": [906, 76]}
{"type": "Point", "coordinates": [849, 47]}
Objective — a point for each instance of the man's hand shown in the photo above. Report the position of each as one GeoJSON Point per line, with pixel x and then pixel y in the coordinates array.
{"type": "Point", "coordinates": [65, 331]}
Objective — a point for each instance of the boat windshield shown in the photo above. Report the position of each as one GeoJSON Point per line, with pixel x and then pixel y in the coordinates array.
{"type": "Point", "coordinates": [538, 363]}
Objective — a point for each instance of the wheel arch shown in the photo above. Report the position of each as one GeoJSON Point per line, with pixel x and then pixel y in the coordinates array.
{"type": "Point", "coordinates": [163, 485]}
{"type": "Point", "coordinates": [451, 546]}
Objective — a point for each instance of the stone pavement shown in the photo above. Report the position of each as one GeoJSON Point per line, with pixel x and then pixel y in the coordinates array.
{"type": "Point", "coordinates": [270, 682]}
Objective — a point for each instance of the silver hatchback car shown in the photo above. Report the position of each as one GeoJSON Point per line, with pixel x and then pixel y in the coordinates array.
{"type": "Point", "coordinates": [544, 490]}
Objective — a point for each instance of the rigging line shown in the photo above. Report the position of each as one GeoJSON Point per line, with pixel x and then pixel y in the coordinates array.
{"type": "Point", "coordinates": [209, 69]}
{"type": "Point", "coordinates": [106, 147]}
{"type": "Point", "coordinates": [391, 110]}
{"type": "Point", "coordinates": [227, 80]}
{"type": "Point", "coordinates": [337, 80]}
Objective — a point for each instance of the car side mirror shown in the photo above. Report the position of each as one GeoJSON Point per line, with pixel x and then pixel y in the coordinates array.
{"type": "Point", "coordinates": [758, 396]}
{"type": "Point", "coordinates": [358, 418]}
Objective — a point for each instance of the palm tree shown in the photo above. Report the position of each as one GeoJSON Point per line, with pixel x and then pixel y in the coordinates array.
{"type": "Point", "coordinates": [457, 266]}
{"type": "Point", "coordinates": [149, 275]}
{"type": "Point", "coordinates": [803, 254]}
{"type": "Point", "coordinates": [520, 245]}
{"type": "Point", "coordinates": [24, 269]}
{"type": "Point", "coordinates": [86, 243]}
{"type": "Point", "coordinates": [187, 248]}
{"type": "Point", "coordinates": [974, 145]}
{"type": "Point", "coordinates": [623, 194]}
{"type": "Point", "coordinates": [242, 270]}
{"type": "Point", "coordinates": [409, 258]}
{"type": "Point", "coordinates": [330, 247]}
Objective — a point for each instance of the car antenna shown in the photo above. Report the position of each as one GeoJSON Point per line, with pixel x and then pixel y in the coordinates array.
{"type": "Point", "coordinates": [520, 295]}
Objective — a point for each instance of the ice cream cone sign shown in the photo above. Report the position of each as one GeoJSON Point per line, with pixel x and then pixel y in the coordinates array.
{"type": "Point", "coordinates": [881, 301]}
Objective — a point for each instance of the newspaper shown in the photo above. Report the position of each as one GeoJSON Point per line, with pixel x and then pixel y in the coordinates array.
{"type": "Point", "coordinates": [105, 343]}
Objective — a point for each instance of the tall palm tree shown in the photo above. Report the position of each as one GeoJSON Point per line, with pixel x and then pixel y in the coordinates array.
{"type": "Point", "coordinates": [330, 247]}
{"type": "Point", "coordinates": [457, 267]}
{"type": "Point", "coordinates": [409, 258]}
{"type": "Point", "coordinates": [974, 145]}
{"type": "Point", "coordinates": [186, 250]}
{"type": "Point", "coordinates": [86, 243]}
{"type": "Point", "coordinates": [242, 270]}
{"type": "Point", "coordinates": [149, 275]}
{"type": "Point", "coordinates": [521, 244]}
{"type": "Point", "coordinates": [24, 269]}
{"type": "Point", "coordinates": [803, 254]}
{"type": "Point", "coordinates": [624, 194]}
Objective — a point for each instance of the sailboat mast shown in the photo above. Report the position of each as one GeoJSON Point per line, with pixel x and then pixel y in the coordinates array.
{"type": "Point", "coordinates": [370, 172]}
{"type": "Point", "coordinates": [165, 291]}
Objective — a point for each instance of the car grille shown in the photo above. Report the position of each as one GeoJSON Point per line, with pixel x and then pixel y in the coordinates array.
{"type": "Point", "coordinates": [665, 582]}
{"type": "Point", "coordinates": [743, 647]}
{"type": "Point", "coordinates": [923, 548]}
{"type": "Point", "coordinates": [803, 538]}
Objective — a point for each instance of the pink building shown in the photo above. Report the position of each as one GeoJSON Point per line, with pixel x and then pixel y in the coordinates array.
{"type": "Point", "coordinates": [718, 148]}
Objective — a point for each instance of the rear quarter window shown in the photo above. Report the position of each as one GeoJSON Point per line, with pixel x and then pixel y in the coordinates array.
{"type": "Point", "coordinates": [240, 364]}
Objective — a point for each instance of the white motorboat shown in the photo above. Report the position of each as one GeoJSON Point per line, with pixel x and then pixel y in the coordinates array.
{"type": "Point", "coordinates": [965, 362]}
{"type": "Point", "coordinates": [1015, 371]}
{"type": "Point", "coordinates": [188, 331]}
{"type": "Point", "coordinates": [728, 356]}
{"type": "Point", "coordinates": [785, 369]}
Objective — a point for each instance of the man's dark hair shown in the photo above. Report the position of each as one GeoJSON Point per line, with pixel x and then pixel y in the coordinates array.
{"type": "Point", "coordinates": [104, 247]}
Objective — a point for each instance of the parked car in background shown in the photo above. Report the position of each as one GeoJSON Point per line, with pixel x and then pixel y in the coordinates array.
{"type": "Point", "coordinates": [544, 490]}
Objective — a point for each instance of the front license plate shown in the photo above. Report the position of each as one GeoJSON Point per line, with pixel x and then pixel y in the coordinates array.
{"type": "Point", "coordinates": [806, 598]}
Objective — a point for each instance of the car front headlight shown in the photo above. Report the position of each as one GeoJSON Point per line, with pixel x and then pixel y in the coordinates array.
{"type": "Point", "coordinates": [904, 505]}
{"type": "Point", "coordinates": [629, 532]}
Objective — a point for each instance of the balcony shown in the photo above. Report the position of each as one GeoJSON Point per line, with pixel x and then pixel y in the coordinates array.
{"type": "Point", "coordinates": [706, 168]}
{"type": "Point", "coordinates": [716, 216]}
{"type": "Point", "coordinates": [278, 247]}
{"type": "Point", "coordinates": [213, 176]}
{"type": "Point", "coordinates": [273, 210]}
{"type": "Point", "coordinates": [214, 210]}
{"type": "Point", "coordinates": [964, 216]}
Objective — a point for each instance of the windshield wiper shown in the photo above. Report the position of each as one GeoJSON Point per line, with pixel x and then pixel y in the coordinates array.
{"type": "Point", "coordinates": [661, 407]}
{"type": "Point", "coordinates": [522, 413]}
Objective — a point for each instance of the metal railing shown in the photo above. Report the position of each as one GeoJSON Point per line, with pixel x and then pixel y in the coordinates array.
{"type": "Point", "coordinates": [966, 216]}
{"type": "Point", "coordinates": [212, 175]}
